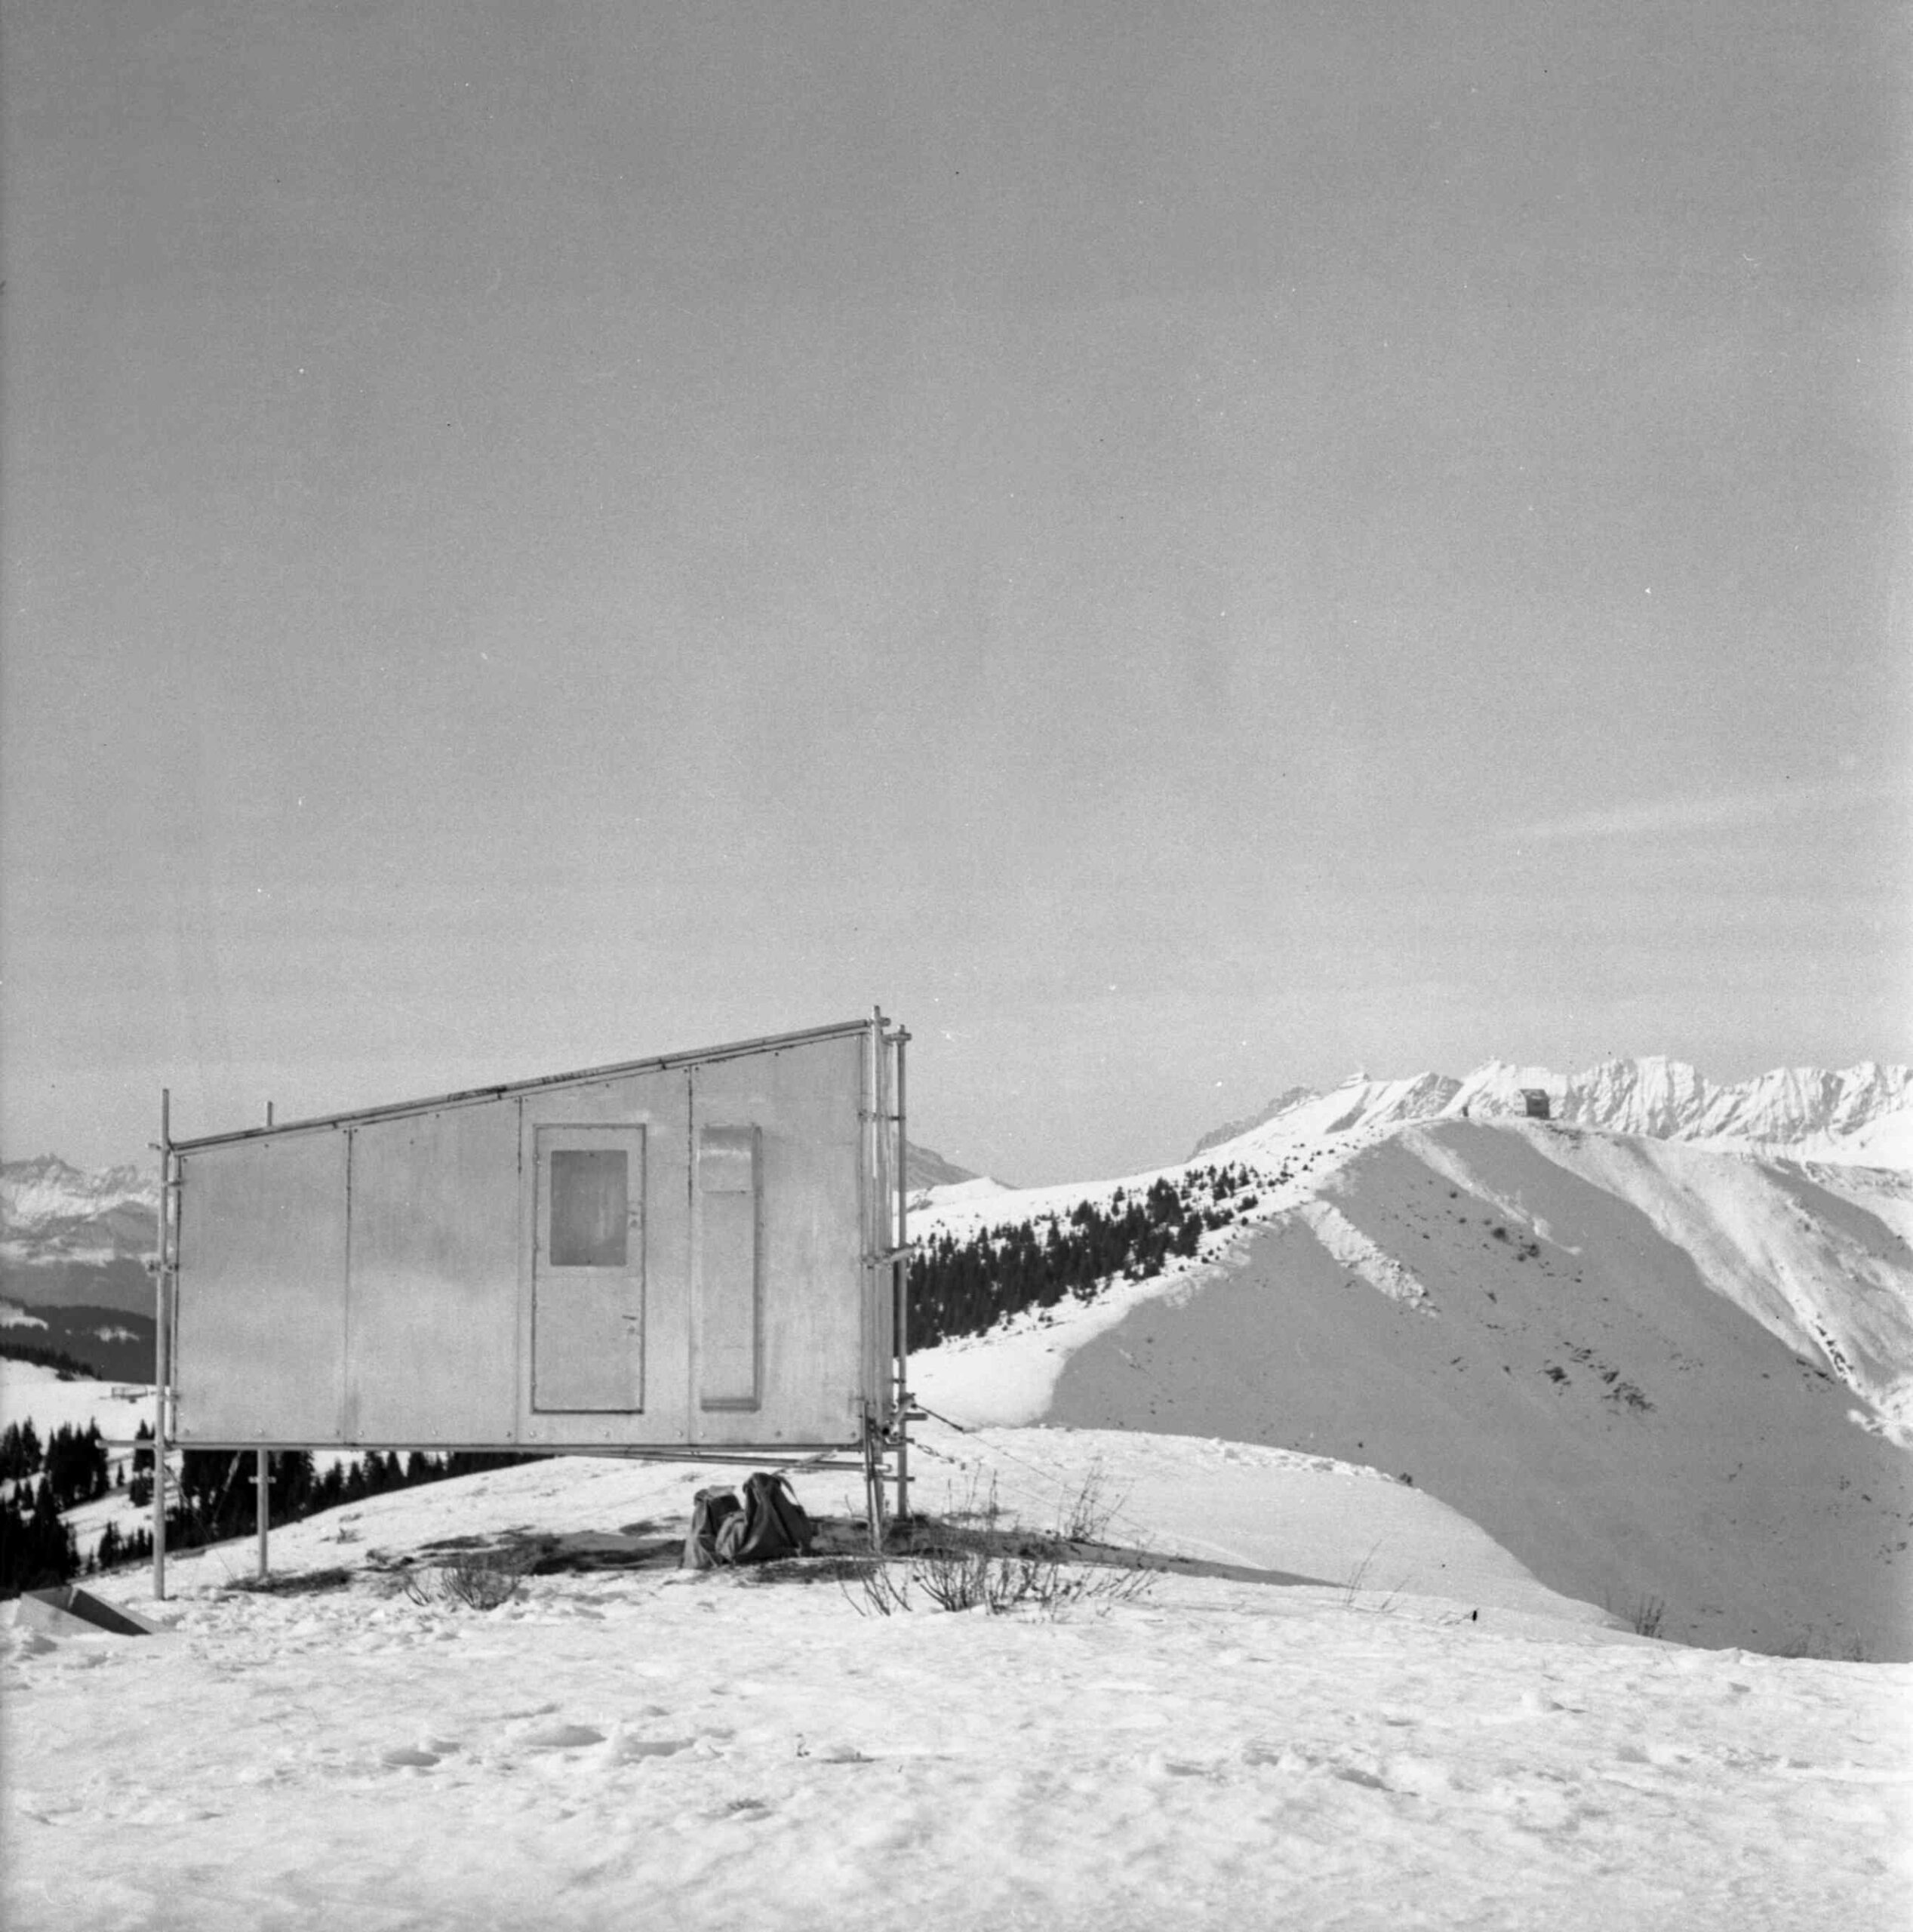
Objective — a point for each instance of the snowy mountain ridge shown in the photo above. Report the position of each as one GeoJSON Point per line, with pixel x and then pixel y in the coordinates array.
{"type": "Point", "coordinates": [1862, 1113]}
{"type": "Point", "coordinates": [1642, 1365]}
{"type": "Point", "coordinates": [38, 1195]}
{"type": "Point", "coordinates": [69, 1236]}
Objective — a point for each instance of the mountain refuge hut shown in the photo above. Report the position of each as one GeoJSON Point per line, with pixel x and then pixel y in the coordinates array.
{"type": "Point", "coordinates": [699, 1256]}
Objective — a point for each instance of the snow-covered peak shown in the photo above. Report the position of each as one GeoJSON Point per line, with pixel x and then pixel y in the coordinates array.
{"type": "Point", "coordinates": [1358, 1103]}
{"type": "Point", "coordinates": [46, 1191]}
{"type": "Point", "coordinates": [955, 1194]}
{"type": "Point", "coordinates": [1823, 1114]}
{"type": "Point", "coordinates": [1793, 1102]}
{"type": "Point", "coordinates": [1862, 1113]}
{"type": "Point", "coordinates": [1664, 1098]}
{"type": "Point", "coordinates": [1290, 1096]}
{"type": "Point", "coordinates": [924, 1168]}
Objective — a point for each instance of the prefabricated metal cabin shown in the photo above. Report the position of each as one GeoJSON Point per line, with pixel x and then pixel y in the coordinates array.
{"type": "Point", "coordinates": [701, 1254]}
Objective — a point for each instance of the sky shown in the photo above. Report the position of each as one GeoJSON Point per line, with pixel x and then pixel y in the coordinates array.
{"type": "Point", "coordinates": [1178, 550]}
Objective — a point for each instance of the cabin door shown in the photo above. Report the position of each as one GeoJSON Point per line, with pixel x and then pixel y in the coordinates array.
{"type": "Point", "coordinates": [588, 1270]}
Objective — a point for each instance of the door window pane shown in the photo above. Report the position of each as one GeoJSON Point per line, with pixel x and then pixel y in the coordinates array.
{"type": "Point", "coordinates": [590, 1207]}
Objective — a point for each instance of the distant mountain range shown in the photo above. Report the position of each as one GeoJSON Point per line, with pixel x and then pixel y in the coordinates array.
{"type": "Point", "coordinates": [73, 1252]}
{"type": "Point", "coordinates": [52, 1211]}
{"type": "Point", "coordinates": [1860, 1114]}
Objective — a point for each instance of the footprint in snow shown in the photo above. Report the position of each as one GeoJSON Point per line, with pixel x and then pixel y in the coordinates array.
{"type": "Point", "coordinates": [561, 1737]}
{"type": "Point", "coordinates": [653, 1747]}
{"type": "Point", "coordinates": [1303, 1763]}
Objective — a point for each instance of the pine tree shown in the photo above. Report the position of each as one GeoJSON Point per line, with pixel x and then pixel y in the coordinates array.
{"type": "Point", "coordinates": [50, 1556]}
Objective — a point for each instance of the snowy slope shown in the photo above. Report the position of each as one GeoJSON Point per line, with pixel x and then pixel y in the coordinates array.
{"type": "Point", "coordinates": [1647, 1369]}
{"type": "Point", "coordinates": [28, 1391]}
{"type": "Point", "coordinates": [31, 1393]}
{"type": "Point", "coordinates": [647, 1747]}
{"type": "Point", "coordinates": [1823, 1271]}
{"type": "Point", "coordinates": [1358, 1104]}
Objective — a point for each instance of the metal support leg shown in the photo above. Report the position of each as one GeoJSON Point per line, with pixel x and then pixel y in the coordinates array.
{"type": "Point", "coordinates": [873, 1484]}
{"type": "Point", "coordinates": [264, 1507]}
{"type": "Point", "coordinates": [162, 1353]}
{"type": "Point", "coordinates": [903, 1295]}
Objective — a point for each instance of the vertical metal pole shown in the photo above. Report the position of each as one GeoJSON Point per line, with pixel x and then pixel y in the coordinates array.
{"type": "Point", "coordinates": [162, 1353]}
{"type": "Point", "coordinates": [903, 1295]}
{"type": "Point", "coordinates": [874, 1482]}
{"type": "Point", "coordinates": [876, 1216]}
{"type": "Point", "coordinates": [261, 1476]}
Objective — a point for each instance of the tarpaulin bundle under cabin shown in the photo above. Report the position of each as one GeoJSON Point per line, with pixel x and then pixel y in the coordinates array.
{"type": "Point", "coordinates": [700, 1254]}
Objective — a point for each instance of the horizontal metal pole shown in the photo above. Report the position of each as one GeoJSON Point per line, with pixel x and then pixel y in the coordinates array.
{"type": "Point", "coordinates": [472, 1096]}
{"type": "Point", "coordinates": [734, 1452]}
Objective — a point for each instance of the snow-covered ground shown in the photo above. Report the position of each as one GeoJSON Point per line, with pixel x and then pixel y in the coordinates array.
{"type": "Point", "coordinates": [31, 1392]}
{"type": "Point", "coordinates": [1397, 1744]}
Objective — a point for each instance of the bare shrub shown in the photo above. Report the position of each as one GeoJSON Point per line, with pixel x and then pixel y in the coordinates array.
{"type": "Point", "coordinates": [1356, 1585]}
{"type": "Point", "coordinates": [1086, 1516]}
{"type": "Point", "coordinates": [970, 1578]}
{"type": "Point", "coordinates": [996, 1583]}
{"type": "Point", "coordinates": [1357, 1577]}
{"type": "Point", "coordinates": [972, 1558]}
{"type": "Point", "coordinates": [1644, 1619]}
{"type": "Point", "coordinates": [880, 1592]}
{"type": "Point", "coordinates": [477, 1579]}
{"type": "Point", "coordinates": [978, 1511]}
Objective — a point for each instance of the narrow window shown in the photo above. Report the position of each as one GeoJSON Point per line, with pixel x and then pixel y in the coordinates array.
{"type": "Point", "coordinates": [728, 1288]}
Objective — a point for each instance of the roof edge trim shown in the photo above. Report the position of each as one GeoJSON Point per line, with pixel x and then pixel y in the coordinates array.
{"type": "Point", "coordinates": [476, 1095]}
